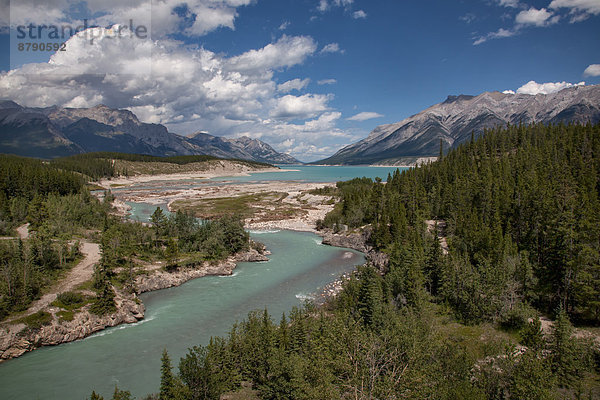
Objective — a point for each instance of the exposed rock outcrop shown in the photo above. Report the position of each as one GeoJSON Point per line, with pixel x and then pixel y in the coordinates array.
{"type": "Point", "coordinates": [359, 242]}
{"type": "Point", "coordinates": [17, 339]}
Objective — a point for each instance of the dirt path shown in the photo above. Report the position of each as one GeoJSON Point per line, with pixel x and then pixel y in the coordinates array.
{"type": "Point", "coordinates": [23, 231]}
{"type": "Point", "coordinates": [79, 274]}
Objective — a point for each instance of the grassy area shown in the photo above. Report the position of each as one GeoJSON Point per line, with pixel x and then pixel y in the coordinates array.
{"type": "Point", "coordinates": [37, 320]}
{"type": "Point", "coordinates": [71, 301]}
{"type": "Point", "coordinates": [264, 206]}
{"type": "Point", "coordinates": [66, 315]}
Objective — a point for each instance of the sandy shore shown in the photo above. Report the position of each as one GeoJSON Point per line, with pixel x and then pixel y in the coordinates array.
{"type": "Point", "coordinates": [309, 207]}
{"type": "Point", "coordinates": [224, 171]}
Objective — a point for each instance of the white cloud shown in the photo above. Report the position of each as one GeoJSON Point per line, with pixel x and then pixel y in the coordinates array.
{"type": "Point", "coordinates": [284, 25]}
{"type": "Point", "coordinates": [294, 84]}
{"type": "Point", "coordinates": [579, 9]}
{"type": "Point", "coordinates": [509, 3]}
{"type": "Point", "coordinates": [286, 52]}
{"type": "Point", "coordinates": [332, 48]}
{"type": "Point", "coordinates": [327, 81]}
{"type": "Point", "coordinates": [300, 107]}
{"type": "Point", "coordinates": [536, 17]}
{"type": "Point", "coordinates": [364, 116]}
{"type": "Point", "coordinates": [500, 33]}
{"type": "Point", "coordinates": [468, 18]}
{"type": "Point", "coordinates": [592, 70]}
{"type": "Point", "coordinates": [508, 92]}
{"type": "Point", "coordinates": [325, 5]}
{"type": "Point", "coordinates": [190, 89]}
{"type": "Point", "coordinates": [359, 14]}
{"type": "Point", "coordinates": [532, 87]}
{"type": "Point", "coordinates": [167, 16]}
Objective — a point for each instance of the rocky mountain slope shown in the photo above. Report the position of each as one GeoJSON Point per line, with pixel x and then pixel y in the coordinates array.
{"type": "Point", "coordinates": [54, 132]}
{"type": "Point", "coordinates": [454, 120]}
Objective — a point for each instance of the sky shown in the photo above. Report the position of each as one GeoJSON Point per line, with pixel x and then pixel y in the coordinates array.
{"type": "Point", "coordinates": [306, 76]}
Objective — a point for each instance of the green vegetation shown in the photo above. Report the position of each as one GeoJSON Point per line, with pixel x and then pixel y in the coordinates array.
{"type": "Point", "coordinates": [53, 197]}
{"type": "Point", "coordinates": [107, 164]}
{"type": "Point", "coordinates": [523, 220]}
{"type": "Point", "coordinates": [37, 320]}
{"type": "Point", "coordinates": [264, 206]}
{"type": "Point", "coordinates": [520, 211]}
{"type": "Point", "coordinates": [70, 300]}
{"type": "Point", "coordinates": [28, 267]}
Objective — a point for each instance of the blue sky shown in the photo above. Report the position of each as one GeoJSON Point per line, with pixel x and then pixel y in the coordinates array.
{"type": "Point", "coordinates": [306, 76]}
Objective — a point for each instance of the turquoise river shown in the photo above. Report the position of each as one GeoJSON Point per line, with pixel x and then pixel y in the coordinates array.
{"type": "Point", "coordinates": [181, 317]}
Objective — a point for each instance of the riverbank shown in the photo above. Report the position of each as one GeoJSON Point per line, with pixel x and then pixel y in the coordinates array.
{"type": "Point", "coordinates": [17, 339]}
{"type": "Point", "coordinates": [214, 169]}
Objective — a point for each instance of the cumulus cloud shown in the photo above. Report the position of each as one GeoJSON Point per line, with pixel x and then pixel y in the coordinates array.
{"type": "Point", "coordinates": [327, 81]}
{"type": "Point", "coordinates": [300, 107]}
{"type": "Point", "coordinates": [592, 70]}
{"type": "Point", "coordinates": [508, 92]}
{"type": "Point", "coordinates": [533, 88]}
{"type": "Point", "coordinates": [536, 17]}
{"type": "Point", "coordinates": [359, 14]}
{"type": "Point", "coordinates": [192, 17]}
{"type": "Point", "coordinates": [286, 52]}
{"type": "Point", "coordinates": [579, 10]}
{"type": "Point", "coordinates": [364, 116]}
{"type": "Point", "coordinates": [332, 48]}
{"type": "Point", "coordinates": [294, 84]}
{"type": "Point", "coordinates": [284, 25]}
{"type": "Point", "coordinates": [189, 88]}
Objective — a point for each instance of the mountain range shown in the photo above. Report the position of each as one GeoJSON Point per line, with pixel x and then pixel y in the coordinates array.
{"type": "Point", "coordinates": [55, 131]}
{"type": "Point", "coordinates": [418, 137]}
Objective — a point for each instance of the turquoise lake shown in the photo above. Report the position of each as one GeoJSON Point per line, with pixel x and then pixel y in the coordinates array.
{"type": "Point", "coordinates": [178, 318]}
{"type": "Point", "coordinates": [316, 173]}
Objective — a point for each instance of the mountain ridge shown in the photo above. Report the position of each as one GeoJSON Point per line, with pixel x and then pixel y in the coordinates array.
{"type": "Point", "coordinates": [56, 131]}
{"type": "Point", "coordinates": [454, 120]}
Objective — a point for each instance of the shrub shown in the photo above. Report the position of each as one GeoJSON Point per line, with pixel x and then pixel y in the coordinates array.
{"type": "Point", "coordinates": [518, 317]}
{"type": "Point", "coordinates": [70, 299]}
{"type": "Point", "coordinates": [37, 320]}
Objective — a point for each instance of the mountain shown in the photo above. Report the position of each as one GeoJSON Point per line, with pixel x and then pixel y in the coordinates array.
{"type": "Point", "coordinates": [417, 138]}
{"type": "Point", "coordinates": [54, 132]}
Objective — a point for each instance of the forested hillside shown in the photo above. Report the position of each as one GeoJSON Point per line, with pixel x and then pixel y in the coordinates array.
{"type": "Point", "coordinates": [519, 211]}
{"type": "Point", "coordinates": [54, 199]}
{"type": "Point", "coordinates": [522, 218]}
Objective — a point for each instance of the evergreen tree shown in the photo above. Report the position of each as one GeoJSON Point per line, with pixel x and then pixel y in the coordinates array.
{"type": "Point", "coordinates": [167, 380]}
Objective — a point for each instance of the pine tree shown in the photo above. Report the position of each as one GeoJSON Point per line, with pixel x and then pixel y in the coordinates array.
{"type": "Point", "coordinates": [167, 380]}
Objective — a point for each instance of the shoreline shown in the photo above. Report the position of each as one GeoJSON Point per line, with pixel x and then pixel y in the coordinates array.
{"type": "Point", "coordinates": [125, 182]}
{"type": "Point", "coordinates": [18, 339]}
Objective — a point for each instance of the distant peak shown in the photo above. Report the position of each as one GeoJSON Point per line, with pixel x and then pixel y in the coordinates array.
{"type": "Point", "coordinates": [196, 134]}
{"type": "Point", "coordinates": [9, 104]}
{"type": "Point", "coordinates": [460, 97]}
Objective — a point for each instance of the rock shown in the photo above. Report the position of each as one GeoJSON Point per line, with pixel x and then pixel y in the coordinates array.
{"type": "Point", "coordinates": [357, 241]}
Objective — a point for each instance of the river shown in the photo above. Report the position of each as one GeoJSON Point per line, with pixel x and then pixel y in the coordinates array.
{"type": "Point", "coordinates": [178, 318]}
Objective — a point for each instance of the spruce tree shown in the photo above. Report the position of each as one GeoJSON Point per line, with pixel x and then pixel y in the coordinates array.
{"type": "Point", "coordinates": [167, 380]}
